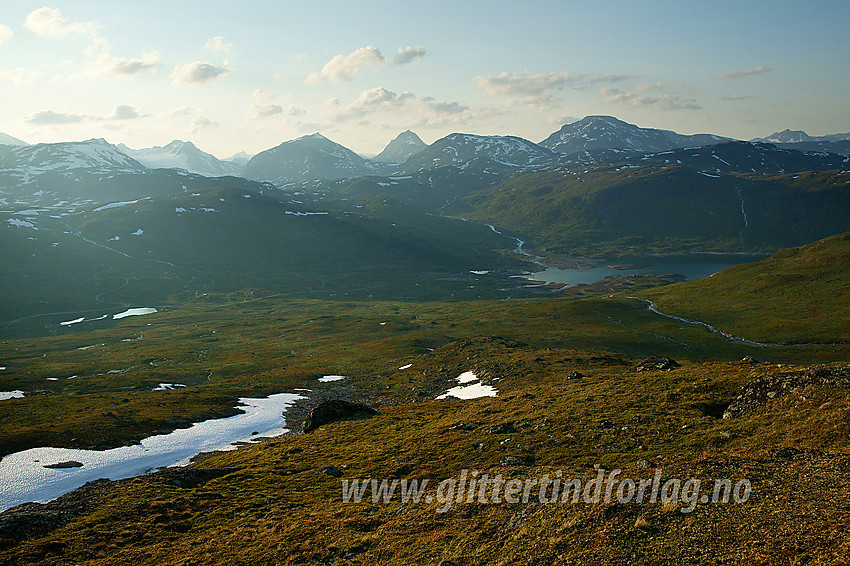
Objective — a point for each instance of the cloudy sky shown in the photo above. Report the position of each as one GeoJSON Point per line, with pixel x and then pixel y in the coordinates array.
{"type": "Point", "coordinates": [235, 76]}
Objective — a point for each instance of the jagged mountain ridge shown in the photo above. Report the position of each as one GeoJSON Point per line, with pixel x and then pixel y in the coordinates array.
{"type": "Point", "coordinates": [494, 153]}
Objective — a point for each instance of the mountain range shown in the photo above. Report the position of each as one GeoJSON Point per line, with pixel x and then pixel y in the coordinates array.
{"type": "Point", "coordinates": [183, 155]}
{"type": "Point", "coordinates": [607, 132]}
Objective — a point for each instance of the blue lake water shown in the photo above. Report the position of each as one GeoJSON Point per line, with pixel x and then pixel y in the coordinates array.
{"type": "Point", "coordinates": [690, 266]}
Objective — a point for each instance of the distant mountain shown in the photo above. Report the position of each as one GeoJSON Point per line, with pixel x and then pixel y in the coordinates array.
{"type": "Point", "coordinates": [489, 154]}
{"type": "Point", "coordinates": [607, 132]}
{"type": "Point", "coordinates": [307, 158]}
{"type": "Point", "coordinates": [401, 148]}
{"type": "Point", "coordinates": [94, 156]}
{"type": "Point", "coordinates": [241, 159]}
{"type": "Point", "coordinates": [182, 155]}
{"type": "Point", "coordinates": [800, 140]}
{"type": "Point", "coordinates": [799, 136]}
{"type": "Point", "coordinates": [6, 139]}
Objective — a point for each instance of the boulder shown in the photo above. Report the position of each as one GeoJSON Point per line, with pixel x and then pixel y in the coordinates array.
{"type": "Point", "coordinates": [657, 363]}
{"type": "Point", "coordinates": [335, 410]}
{"type": "Point", "coordinates": [763, 389]}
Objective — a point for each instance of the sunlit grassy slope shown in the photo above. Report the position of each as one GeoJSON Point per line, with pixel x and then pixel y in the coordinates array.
{"type": "Point", "coordinates": [796, 295]}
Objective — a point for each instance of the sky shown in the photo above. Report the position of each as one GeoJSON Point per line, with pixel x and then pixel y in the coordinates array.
{"type": "Point", "coordinates": [247, 76]}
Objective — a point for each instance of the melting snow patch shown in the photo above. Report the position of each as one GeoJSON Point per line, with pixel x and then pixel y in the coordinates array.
{"type": "Point", "coordinates": [21, 223]}
{"type": "Point", "coordinates": [17, 394]}
{"type": "Point", "coordinates": [23, 477]}
{"type": "Point", "coordinates": [167, 386]}
{"type": "Point", "coordinates": [115, 205]}
{"type": "Point", "coordinates": [179, 209]}
{"type": "Point", "coordinates": [138, 232]}
{"type": "Point", "coordinates": [134, 312]}
{"type": "Point", "coordinates": [466, 377]}
{"type": "Point", "coordinates": [70, 322]}
{"type": "Point", "coordinates": [406, 366]}
{"type": "Point", "coordinates": [473, 391]}
{"type": "Point", "coordinates": [480, 272]}
{"type": "Point", "coordinates": [328, 378]}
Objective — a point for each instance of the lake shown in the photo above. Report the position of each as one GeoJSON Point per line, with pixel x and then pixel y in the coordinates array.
{"type": "Point", "coordinates": [689, 266]}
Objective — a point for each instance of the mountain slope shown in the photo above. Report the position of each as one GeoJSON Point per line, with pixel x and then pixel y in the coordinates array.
{"type": "Point", "coordinates": [607, 132]}
{"type": "Point", "coordinates": [741, 157]}
{"type": "Point", "coordinates": [401, 148]}
{"type": "Point", "coordinates": [6, 139]}
{"type": "Point", "coordinates": [94, 156]}
{"type": "Point", "coordinates": [183, 155]}
{"type": "Point", "coordinates": [306, 158]}
{"type": "Point", "coordinates": [494, 154]}
{"type": "Point", "coordinates": [663, 209]}
{"type": "Point", "coordinates": [796, 295]}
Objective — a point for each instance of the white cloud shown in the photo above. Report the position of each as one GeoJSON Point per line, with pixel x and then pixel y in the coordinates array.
{"type": "Point", "coordinates": [395, 108]}
{"type": "Point", "coordinates": [19, 76]}
{"type": "Point", "coordinates": [746, 73]}
{"type": "Point", "coordinates": [198, 72]}
{"type": "Point", "coordinates": [409, 55]}
{"type": "Point", "coordinates": [536, 84]}
{"type": "Point", "coordinates": [200, 123]}
{"type": "Point", "coordinates": [48, 22]}
{"type": "Point", "coordinates": [342, 68]}
{"type": "Point", "coordinates": [124, 112]}
{"type": "Point", "coordinates": [261, 107]}
{"type": "Point", "coordinates": [51, 118]}
{"type": "Point", "coordinates": [182, 111]}
{"type": "Point", "coordinates": [117, 66]}
{"type": "Point", "coordinates": [665, 101]}
{"type": "Point", "coordinates": [217, 43]}
{"type": "Point", "coordinates": [6, 34]}
{"type": "Point", "coordinates": [738, 97]}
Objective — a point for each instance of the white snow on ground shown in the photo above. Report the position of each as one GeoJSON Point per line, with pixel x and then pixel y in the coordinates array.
{"type": "Point", "coordinates": [70, 322]}
{"type": "Point", "coordinates": [466, 377]}
{"type": "Point", "coordinates": [329, 378]}
{"type": "Point", "coordinates": [479, 272]}
{"type": "Point", "coordinates": [115, 205]}
{"type": "Point", "coordinates": [138, 232]}
{"type": "Point", "coordinates": [16, 394]}
{"type": "Point", "coordinates": [406, 366]}
{"type": "Point", "coordinates": [21, 223]}
{"type": "Point", "coordinates": [24, 478]}
{"type": "Point", "coordinates": [167, 386]}
{"type": "Point", "coordinates": [473, 390]}
{"type": "Point", "coordinates": [179, 209]}
{"type": "Point", "coordinates": [134, 312]}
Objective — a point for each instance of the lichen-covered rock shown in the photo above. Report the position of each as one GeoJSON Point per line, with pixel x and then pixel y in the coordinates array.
{"type": "Point", "coordinates": [657, 363]}
{"type": "Point", "coordinates": [761, 390]}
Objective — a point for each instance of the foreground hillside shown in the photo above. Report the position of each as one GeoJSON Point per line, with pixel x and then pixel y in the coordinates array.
{"type": "Point", "coordinates": [574, 397]}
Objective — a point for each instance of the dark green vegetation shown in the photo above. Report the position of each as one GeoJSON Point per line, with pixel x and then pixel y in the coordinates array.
{"type": "Point", "coordinates": [668, 209]}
